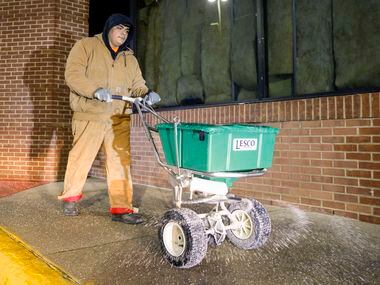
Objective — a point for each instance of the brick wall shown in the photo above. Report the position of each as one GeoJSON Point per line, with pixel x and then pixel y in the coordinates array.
{"type": "Point", "coordinates": [36, 36]}
{"type": "Point", "coordinates": [327, 155]}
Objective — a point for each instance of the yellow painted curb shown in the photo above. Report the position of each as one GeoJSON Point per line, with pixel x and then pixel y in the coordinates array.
{"type": "Point", "coordinates": [20, 264]}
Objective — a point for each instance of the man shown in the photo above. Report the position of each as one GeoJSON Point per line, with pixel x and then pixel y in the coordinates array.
{"type": "Point", "coordinates": [98, 67]}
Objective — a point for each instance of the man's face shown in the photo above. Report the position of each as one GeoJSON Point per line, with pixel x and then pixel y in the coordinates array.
{"type": "Point", "coordinates": [118, 35]}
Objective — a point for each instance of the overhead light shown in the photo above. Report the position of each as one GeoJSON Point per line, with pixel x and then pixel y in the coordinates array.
{"type": "Point", "coordinates": [211, 1]}
{"type": "Point", "coordinates": [224, 0]}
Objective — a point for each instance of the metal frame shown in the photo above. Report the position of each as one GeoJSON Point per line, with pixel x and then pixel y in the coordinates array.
{"type": "Point", "coordinates": [180, 177]}
{"type": "Point", "coordinates": [262, 52]}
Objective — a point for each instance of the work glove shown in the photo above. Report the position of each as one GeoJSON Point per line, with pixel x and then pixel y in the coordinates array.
{"type": "Point", "coordinates": [152, 98]}
{"type": "Point", "coordinates": [103, 95]}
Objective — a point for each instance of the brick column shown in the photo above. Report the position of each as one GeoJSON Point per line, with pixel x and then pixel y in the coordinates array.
{"type": "Point", "coordinates": [35, 133]}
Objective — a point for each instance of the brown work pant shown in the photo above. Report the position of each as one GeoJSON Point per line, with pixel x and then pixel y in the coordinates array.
{"type": "Point", "coordinates": [89, 136]}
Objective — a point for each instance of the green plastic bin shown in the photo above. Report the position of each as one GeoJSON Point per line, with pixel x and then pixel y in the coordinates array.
{"type": "Point", "coordinates": [215, 148]}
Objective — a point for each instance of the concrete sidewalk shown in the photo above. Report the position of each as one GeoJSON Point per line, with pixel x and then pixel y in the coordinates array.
{"type": "Point", "coordinates": [304, 248]}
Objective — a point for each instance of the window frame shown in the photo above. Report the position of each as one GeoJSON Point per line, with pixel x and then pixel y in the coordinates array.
{"type": "Point", "coordinates": [262, 68]}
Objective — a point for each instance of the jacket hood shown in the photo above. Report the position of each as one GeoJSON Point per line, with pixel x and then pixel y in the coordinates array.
{"type": "Point", "coordinates": [112, 21]}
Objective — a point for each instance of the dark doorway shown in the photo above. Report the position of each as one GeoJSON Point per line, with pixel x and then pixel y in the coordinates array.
{"type": "Point", "coordinates": [100, 10]}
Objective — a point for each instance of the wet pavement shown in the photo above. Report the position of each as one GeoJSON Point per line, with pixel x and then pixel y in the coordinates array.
{"type": "Point", "coordinates": [304, 248]}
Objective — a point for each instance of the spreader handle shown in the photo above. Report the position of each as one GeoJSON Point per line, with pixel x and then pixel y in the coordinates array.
{"type": "Point", "coordinates": [124, 98]}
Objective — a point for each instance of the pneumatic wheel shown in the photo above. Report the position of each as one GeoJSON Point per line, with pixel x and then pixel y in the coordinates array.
{"type": "Point", "coordinates": [254, 225]}
{"type": "Point", "coordinates": [182, 238]}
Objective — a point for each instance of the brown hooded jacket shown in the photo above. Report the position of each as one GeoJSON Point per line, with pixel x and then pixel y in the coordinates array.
{"type": "Point", "coordinates": [89, 67]}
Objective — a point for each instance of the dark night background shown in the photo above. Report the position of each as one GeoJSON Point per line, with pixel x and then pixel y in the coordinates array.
{"type": "Point", "coordinates": [100, 10]}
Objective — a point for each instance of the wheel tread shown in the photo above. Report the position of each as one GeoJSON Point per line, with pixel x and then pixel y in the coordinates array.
{"type": "Point", "coordinates": [261, 224]}
{"type": "Point", "coordinates": [197, 239]}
